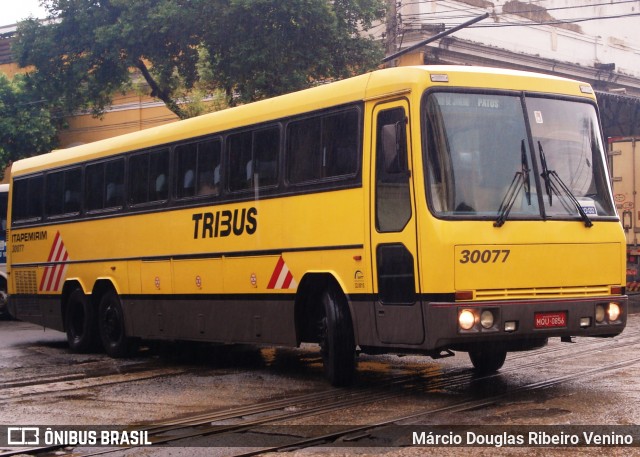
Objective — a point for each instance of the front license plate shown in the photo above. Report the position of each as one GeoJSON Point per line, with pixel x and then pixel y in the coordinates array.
{"type": "Point", "coordinates": [550, 320]}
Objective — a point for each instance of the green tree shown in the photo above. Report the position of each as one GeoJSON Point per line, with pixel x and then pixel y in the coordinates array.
{"type": "Point", "coordinates": [84, 54]}
{"type": "Point", "coordinates": [262, 48]}
{"type": "Point", "coordinates": [26, 128]}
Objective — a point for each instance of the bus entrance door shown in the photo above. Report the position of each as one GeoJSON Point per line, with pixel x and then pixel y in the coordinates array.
{"type": "Point", "coordinates": [397, 305]}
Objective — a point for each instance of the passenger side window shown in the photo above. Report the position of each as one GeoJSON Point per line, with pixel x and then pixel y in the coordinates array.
{"type": "Point", "coordinates": [186, 158]}
{"type": "Point", "coordinates": [114, 180]}
{"type": "Point", "coordinates": [198, 168]}
{"type": "Point", "coordinates": [253, 158]}
{"type": "Point", "coordinates": [323, 147]}
{"type": "Point", "coordinates": [340, 136]}
{"type": "Point", "coordinates": [304, 157]}
{"type": "Point", "coordinates": [208, 175]}
{"type": "Point", "coordinates": [266, 145]}
{"type": "Point", "coordinates": [94, 184]}
{"type": "Point", "coordinates": [240, 164]}
{"type": "Point", "coordinates": [63, 192]}
{"type": "Point", "coordinates": [27, 199]}
{"type": "Point", "coordinates": [104, 185]}
{"type": "Point", "coordinates": [149, 177]}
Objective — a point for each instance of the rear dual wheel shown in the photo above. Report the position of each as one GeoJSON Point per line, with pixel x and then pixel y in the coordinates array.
{"type": "Point", "coordinates": [114, 338]}
{"type": "Point", "coordinates": [87, 326]}
{"type": "Point", "coordinates": [81, 323]}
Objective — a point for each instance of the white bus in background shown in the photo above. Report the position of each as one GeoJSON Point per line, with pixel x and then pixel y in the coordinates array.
{"type": "Point", "coordinates": [4, 193]}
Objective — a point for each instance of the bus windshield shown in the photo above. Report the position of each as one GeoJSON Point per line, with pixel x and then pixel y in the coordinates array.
{"type": "Point", "coordinates": [528, 157]}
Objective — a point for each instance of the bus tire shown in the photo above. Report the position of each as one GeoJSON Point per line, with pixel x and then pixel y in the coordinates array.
{"type": "Point", "coordinates": [4, 305]}
{"type": "Point", "coordinates": [487, 361]}
{"type": "Point", "coordinates": [81, 323]}
{"type": "Point", "coordinates": [337, 343]}
{"type": "Point", "coordinates": [112, 330]}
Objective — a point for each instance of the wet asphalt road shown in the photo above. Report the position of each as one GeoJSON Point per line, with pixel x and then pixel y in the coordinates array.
{"type": "Point", "coordinates": [42, 383]}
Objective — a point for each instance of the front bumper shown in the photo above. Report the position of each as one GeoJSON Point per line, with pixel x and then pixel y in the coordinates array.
{"type": "Point", "coordinates": [515, 321]}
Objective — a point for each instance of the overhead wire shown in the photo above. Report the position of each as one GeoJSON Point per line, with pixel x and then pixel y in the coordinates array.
{"type": "Point", "coordinates": [463, 14]}
{"type": "Point", "coordinates": [611, 3]}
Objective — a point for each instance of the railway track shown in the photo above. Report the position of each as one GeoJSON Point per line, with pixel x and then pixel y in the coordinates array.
{"type": "Point", "coordinates": [285, 410]}
{"type": "Point", "coordinates": [270, 418]}
{"type": "Point", "coordinates": [97, 373]}
{"type": "Point", "coordinates": [398, 386]}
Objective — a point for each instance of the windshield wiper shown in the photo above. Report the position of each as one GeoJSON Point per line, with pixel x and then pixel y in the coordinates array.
{"type": "Point", "coordinates": [520, 179]}
{"type": "Point", "coordinates": [553, 183]}
{"type": "Point", "coordinates": [525, 172]}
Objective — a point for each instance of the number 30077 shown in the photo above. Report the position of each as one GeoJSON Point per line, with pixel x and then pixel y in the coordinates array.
{"type": "Point", "coordinates": [486, 256]}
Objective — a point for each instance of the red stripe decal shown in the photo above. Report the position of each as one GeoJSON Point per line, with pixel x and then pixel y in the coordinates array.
{"type": "Point", "coordinates": [276, 273]}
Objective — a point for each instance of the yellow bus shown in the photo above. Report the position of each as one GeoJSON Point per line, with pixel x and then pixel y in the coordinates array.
{"type": "Point", "coordinates": [417, 209]}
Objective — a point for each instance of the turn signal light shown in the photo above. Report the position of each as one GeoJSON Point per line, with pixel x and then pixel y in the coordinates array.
{"type": "Point", "coordinates": [463, 295]}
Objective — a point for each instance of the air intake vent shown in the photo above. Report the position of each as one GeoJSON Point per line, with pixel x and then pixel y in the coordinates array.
{"type": "Point", "coordinates": [543, 292]}
{"type": "Point", "coordinates": [26, 282]}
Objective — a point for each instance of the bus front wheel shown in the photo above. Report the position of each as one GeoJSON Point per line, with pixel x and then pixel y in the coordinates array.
{"type": "Point", "coordinates": [81, 323]}
{"type": "Point", "coordinates": [111, 324]}
{"type": "Point", "coordinates": [337, 344]}
{"type": "Point", "coordinates": [488, 360]}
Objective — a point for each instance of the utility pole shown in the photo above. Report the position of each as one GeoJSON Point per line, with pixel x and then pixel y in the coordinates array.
{"type": "Point", "coordinates": [392, 29]}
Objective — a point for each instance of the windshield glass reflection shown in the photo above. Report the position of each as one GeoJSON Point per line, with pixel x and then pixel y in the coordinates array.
{"type": "Point", "coordinates": [481, 162]}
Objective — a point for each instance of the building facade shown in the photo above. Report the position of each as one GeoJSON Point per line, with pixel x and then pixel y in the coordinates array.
{"type": "Point", "coordinates": [589, 40]}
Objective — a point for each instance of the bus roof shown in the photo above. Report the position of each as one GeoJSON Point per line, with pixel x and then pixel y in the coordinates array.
{"type": "Point", "coordinates": [364, 87]}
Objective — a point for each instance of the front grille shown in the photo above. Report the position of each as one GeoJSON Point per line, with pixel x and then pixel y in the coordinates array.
{"type": "Point", "coordinates": [542, 292]}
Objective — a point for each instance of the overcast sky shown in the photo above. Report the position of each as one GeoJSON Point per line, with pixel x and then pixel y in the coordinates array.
{"type": "Point", "coordinates": [12, 11]}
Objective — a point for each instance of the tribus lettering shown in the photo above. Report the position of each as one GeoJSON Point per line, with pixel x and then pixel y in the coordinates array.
{"type": "Point", "coordinates": [224, 223]}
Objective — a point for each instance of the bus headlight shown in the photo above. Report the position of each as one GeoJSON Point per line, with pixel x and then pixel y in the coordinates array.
{"type": "Point", "coordinates": [486, 319]}
{"type": "Point", "coordinates": [613, 311]}
{"type": "Point", "coordinates": [466, 319]}
{"type": "Point", "coordinates": [600, 312]}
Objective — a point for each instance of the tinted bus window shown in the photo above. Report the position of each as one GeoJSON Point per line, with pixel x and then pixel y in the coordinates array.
{"type": "Point", "coordinates": [253, 158]}
{"type": "Point", "coordinates": [198, 168]}
{"type": "Point", "coordinates": [240, 161]}
{"type": "Point", "coordinates": [94, 185]}
{"type": "Point", "coordinates": [266, 145]}
{"type": "Point", "coordinates": [63, 192]}
{"type": "Point", "coordinates": [323, 147]}
{"type": "Point", "coordinates": [27, 198]}
{"type": "Point", "coordinates": [208, 175]}
{"type": "Point", "coordinates": [186, 160]}
{"type": "Point", "coordinates": [114, 184]}
{"type": "Point", "coordinates": [104, 185]}
{"type": "Point", "coordinates": [149, 177]}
